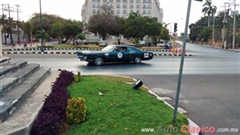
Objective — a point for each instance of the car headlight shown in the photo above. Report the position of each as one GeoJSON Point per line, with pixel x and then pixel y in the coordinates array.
{"type": "Point", "coordinates": [85, 57]}
{"type": "Point", "coordinates": [150, 54]}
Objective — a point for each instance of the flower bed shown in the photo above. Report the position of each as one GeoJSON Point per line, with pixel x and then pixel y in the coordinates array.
{"type": "Point", "coordinates": [53, 113]}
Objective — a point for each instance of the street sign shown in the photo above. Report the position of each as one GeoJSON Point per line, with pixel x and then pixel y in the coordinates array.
{"type": "Point", "coordinates": [174, 35]}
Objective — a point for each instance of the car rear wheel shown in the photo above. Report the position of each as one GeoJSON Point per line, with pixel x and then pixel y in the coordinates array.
{"type": "Point", "coordinates": [137, 60]}
{"type": "Point", "coordinates": [98, 61]}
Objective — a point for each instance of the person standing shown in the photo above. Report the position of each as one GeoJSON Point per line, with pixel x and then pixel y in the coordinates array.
{"type": "Point", "coordinates": [24, 42]}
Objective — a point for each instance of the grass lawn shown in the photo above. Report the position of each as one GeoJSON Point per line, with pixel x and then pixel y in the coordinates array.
{"type": "Point", "coordinates": [122, 110]}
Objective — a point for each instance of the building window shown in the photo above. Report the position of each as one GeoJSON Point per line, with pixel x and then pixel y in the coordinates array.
{"type": "Point", "coordinates": [137, 6]}
{"type": "Point", "coordinates": [124, 6]}
{"type": "Point", "coordinates": [149, 6]}
{"type": "Point", "coordinates": [144, 6]}
{"type": "Point", "coordinates": [144, 1]}
{"type": "Point", "coordinates": [118, 6]}
{"type": "Point", "coordinates": [93, 0]}
{"type": "Point", "coordinates": [137, 1]}
{"type": "Point", "coordinates": [111, 1]}
{"type": "Point", "coordinates": [131, 6]}
{"type": "Point", "coordinates": [149, 1]}
{"type": "Point", "coordinates": [98, 11]}
{"type": "Point", "coordinates": [93, 11]}
{"type": "Point", "coordinates": [118, 11]}
{"type": "Point", "coordinates": [98, 0]}
{"type": "Point", "coordinates": [138, 12]}
{"type": "Point", "coordinates": [124, 12]}
{"type": "Point", "coordinates": [93, 5]}
{"type": "Point", "coordinates": [144, 12]}
{"type": "Point", "coordinates": [149, 12]}
{"type": "Point", "coordinates": [131, 11]}
{"type": "Point", "coordinates": [131, 1]}
{"type": "Point", "coordinates": [118, 1]}
{"type": "Point", "coordinates": [124, 1]}
{"type": "Point", "coordinates": [104, 0]}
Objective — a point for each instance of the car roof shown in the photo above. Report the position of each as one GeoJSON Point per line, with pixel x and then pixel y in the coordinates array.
{"type": "Point", "coordinates": [123, 45]}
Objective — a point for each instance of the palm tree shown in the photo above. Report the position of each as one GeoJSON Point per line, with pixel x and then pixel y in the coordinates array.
{"type": "Point", "coordinates": [45, 36]}
{"type": "Point", "coordinates": [3, 22]}
{"type": "Point", "coordinates": [209, 9]}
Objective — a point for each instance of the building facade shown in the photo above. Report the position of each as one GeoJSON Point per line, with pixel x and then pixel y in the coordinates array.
{"type": "Point", "coordinates": [123, 8]}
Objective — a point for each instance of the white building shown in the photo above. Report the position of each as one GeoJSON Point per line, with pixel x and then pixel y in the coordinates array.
{"type": "Point", "coordinates": [123, 8]}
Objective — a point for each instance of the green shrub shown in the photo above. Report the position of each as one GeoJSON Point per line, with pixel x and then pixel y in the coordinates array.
{"type": "Point", "coordinates": [76, 110]}
{"type": "Point", "coordinates": [45, 46]}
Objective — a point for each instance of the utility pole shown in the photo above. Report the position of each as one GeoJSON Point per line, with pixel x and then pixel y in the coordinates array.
{"type": "Point", "coordinates": [18, 32]}
{"type": "Point", "coordinates": [234, 23]}
{"type": "Point", "coordinates": [224, 42]}
{"type": "Point", "coordinates": [213, 36]}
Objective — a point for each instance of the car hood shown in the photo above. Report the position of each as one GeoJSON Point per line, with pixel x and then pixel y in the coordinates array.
{"type": "Point", "coordinates": [89, 52]}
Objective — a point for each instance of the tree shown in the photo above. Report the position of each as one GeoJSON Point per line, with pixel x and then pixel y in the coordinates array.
{"type": "Point", "coordinates": [71, 30]}
{"type": "Point", "coordinates": [105, 23]}
{"type": "Point", "coordinates": [4, 23]}
{"type": "Point", "coordinates": [154, 28]}
{"type": "Point", "coordinates": [209, 9]}
{"type": "Point", "coordinates": [81, 36]}
{"type": "Point", "coordinates": [27, 28]}
{"type": "Point", "coordinates": [47, 22]}
{"type": "Point", "coordinates": [57, 28]}
{"type": "Point", "coordinates": [205, 34]}
{"type": "Point", "coordinates": [45, 37]}
{"type": "Point", "coordinates": [165, 34]}
{"type": "Point", "coordinates": [135, 27]}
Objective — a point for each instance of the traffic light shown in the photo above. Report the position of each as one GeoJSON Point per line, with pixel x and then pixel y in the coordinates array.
{"type": "Point", "coordinates": [175, 27]}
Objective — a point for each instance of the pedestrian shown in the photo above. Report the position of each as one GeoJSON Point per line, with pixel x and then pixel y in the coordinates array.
{"type": "Point", "coordinates": [24, 42]}
{"type": "Point", "coordinates": [12, 42]}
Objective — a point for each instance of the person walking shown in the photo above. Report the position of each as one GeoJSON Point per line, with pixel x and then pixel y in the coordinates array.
{"type": "Point", "coordinates": [24, 42]}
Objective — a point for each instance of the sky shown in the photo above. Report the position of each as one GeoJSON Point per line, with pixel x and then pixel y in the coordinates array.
{"type": "Point", "coordinates": [173, 10]}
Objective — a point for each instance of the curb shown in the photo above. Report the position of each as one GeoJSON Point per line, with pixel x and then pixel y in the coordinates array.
{"type": "Point", "coordinates": [70, 52]}
{"type": "Point", "coordinates": [76, 49]}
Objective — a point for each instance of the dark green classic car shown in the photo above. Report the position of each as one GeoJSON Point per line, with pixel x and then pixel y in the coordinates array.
{"type": "Point", "coordinates": [115, 53]}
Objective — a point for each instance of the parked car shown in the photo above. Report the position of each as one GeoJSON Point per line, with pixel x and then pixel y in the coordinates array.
{"type": "Point", "coordinates": [115, 53]}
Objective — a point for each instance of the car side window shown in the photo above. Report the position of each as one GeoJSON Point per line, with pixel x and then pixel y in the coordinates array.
{"type": "Point", "coordinates": [130, 50]}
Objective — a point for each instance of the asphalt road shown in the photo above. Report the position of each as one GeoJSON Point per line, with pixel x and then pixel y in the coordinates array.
{"type": "Point", "coordinates": [210, 90]}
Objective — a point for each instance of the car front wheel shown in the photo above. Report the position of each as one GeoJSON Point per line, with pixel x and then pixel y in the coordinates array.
{"type": "Point", "coordinates": [98, 61]}
{"type": "Point", "coordinates": [137, 60]}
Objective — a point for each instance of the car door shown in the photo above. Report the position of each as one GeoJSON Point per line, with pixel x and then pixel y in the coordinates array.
{"type": "Point", "coordinates": [131, 53]}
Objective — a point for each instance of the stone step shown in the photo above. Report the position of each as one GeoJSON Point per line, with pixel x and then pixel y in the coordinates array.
{"type": "Point", "coordinates": [11, 67]}
{"type": "Point", "coordinates": [4, 60]}
{"type": "Point", "coordinates": [13, 79]}
{"type": "Point", "coordinates": [13, 99]}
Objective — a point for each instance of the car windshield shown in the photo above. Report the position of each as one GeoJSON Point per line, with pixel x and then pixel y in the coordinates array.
{"type": "Point", "coordinates": [108, 48]}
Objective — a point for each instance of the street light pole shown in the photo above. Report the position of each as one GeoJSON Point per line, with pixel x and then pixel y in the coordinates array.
{"type": "Point", "coordinates": [234, 24]}
{"type": "Point", "coordinates": [182, 62]}
{"type": "Point", "coordinates": [41, 26]}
